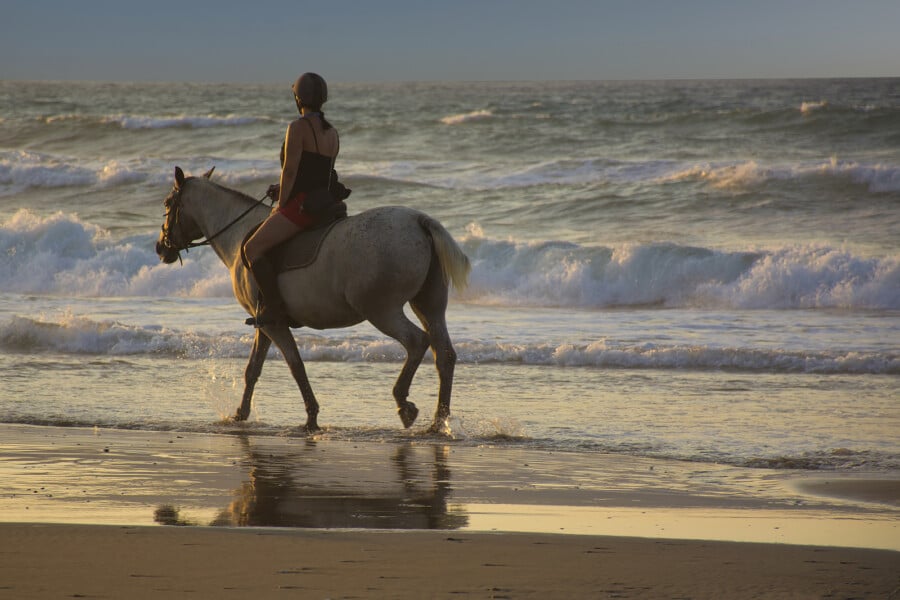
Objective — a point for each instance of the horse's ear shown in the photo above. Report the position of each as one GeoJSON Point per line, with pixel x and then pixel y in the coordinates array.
{"type": "Point", "coordinates": [209, 173]}
{"type": "Point", "coordinates": [179, 177]}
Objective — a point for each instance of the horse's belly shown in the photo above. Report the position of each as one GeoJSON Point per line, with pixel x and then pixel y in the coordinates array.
{"type": "Point", "coordinates": [330, 321]}
{"type": "Point", "coordinates": [322, 312]}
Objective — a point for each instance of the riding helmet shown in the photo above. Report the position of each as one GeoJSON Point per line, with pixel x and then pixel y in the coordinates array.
{"type": "Point", "coordinates": [311, 90]}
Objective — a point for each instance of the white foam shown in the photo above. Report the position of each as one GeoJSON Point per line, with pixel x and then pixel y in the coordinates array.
{"type": "Point", "coordinates": [81, 335]}
{"type": "Point", "coordinates": [807, 108]}
{"type": "Point", "coordinates": [21, 169]}
{"type": "Point", "coordinates": [670, 275]}
{"type": "Point", "coordinates": [475, 115]}
{"type": "Point", "coordinates": [61, 254]}
{"type": "Point", "coordinates": [812, 277]}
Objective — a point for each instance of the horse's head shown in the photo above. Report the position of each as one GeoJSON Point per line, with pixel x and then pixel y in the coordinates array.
{"type": "Point", "coordinates": [178, 229]}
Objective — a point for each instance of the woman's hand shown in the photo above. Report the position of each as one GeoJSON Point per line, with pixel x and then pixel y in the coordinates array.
{"type": "Point", "coordinates": [273, 190]}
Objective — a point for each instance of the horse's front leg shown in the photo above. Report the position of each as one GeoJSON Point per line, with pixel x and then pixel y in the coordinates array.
{"type": "Point", "coordinates": [261, 345]}
{"type": "Point", "coordinates": [284, 339]}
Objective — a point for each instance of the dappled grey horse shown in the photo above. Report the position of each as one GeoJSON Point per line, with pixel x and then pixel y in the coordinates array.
{"type": "Point", "coordinates": [367, 268]}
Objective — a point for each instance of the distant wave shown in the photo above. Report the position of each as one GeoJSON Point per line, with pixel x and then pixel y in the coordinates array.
{"type": "Point", "coordinates": [876, 177]}
{"type": "Point", "coordinates": [475, 115]}
{"type": "Point", "coordinates": [21, 170]}
{"type": "Point", "coordinates": [61, 254]}
{"type": "Point", "coordinates": [80, 335]}
{"type": "Point", "coordinates": [472, 176]}
{"type": "Point", "coordinates": [727, 175]}
{"type": "Point", "coordinates": [156, 122]}
{"type": "Point", "coordinates": [807, 108]}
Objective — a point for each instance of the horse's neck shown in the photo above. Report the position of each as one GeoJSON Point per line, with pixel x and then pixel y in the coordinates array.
{"type": "Point", "coordinates": [217, 209]}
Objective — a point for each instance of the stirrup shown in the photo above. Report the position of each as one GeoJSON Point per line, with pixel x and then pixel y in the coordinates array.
{"type": "Point", "coordinates": [261, 321]}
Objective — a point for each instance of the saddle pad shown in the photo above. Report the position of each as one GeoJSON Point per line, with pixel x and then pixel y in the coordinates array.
{"type": "Point", "coordinates": [301, 250]}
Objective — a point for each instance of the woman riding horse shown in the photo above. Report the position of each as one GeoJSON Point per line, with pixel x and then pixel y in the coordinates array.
{"type": "Point", "coordinates": [311, 145]}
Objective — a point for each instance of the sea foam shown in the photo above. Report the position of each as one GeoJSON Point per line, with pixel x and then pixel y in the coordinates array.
{"type": "Point", "coordinates": [475, 115]}
{"type": "Point", "coordinates": [675, 276]}
{"type": "Point", "coordinates": [807, 108]}
{"type": "Point", "coordinates": [60, 254]}
{"type": "Point", "coordinates": [70, 334]}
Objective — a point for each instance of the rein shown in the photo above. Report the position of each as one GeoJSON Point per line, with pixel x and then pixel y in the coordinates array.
{"type": "Point", "coordinates": [176, 206]}
{"type": "Point", "coordinates": [210, 238]}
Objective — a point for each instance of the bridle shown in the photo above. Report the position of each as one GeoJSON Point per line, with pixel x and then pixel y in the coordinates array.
{"type": "Point", "coordinates": [173, 203]}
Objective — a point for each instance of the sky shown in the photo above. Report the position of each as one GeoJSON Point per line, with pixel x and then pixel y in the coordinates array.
{"type": "Point", "coordinates": [269, 41]}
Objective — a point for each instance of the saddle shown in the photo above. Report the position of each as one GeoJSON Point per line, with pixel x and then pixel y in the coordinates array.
{"type": "Point", "coordinates": [301, 250]}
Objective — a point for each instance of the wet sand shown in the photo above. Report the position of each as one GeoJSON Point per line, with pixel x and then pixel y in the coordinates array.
{"type": "Point", "coordinates": [93, 513]}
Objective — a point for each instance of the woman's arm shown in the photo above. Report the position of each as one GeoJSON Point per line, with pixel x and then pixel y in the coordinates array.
{"type": "Point", "coordinates": [293, 148]}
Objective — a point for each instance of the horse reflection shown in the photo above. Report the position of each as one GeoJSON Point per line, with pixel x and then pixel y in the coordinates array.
{"type": "Point", "coordinates": [394, 487]}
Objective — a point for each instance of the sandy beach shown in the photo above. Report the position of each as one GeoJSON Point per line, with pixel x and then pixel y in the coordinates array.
{"type": "Point", "coordinates": [92, 513]}
{"type": "Point", "coordinates": [53, 561]}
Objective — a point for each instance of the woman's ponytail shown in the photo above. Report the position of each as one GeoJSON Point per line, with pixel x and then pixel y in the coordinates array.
{"type": "Point", "coordinates": [325, 124]}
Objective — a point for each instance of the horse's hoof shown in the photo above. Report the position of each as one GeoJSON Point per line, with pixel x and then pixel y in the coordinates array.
{"type": "Point", "coordinates": [441, 425]}
{"type": "Point", "coordinates": [240, 416]}
{"type": "Point", "coordinates": [312, 427]}
{"type": "Point", "coordinates": [408, 414]}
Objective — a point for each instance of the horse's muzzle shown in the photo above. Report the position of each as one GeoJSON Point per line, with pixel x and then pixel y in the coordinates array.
{"type": "Point", "coordinates": [166, 254]}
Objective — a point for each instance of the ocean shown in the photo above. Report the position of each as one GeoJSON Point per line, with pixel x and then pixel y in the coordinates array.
{"type": "Point", "coordinates": [706, 271]}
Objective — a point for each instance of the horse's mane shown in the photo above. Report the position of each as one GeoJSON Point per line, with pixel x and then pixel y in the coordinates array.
{"type": "Point", "coordinates": [223, 188]}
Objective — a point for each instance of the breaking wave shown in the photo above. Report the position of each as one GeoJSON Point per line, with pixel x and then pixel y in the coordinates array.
{"type": "Point", "coordinates": [84, 336]}
{"type": "Point", "coordinates": [62, 255]}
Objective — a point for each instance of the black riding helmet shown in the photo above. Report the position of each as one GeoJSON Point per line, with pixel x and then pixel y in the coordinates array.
{"type": "Point", "coordinates": [311, 91]}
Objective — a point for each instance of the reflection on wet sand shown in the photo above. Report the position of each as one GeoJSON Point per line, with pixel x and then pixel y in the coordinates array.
{"type": "Point", "coordinates": [394, 487]}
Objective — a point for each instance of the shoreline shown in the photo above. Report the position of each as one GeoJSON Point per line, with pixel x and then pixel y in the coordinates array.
{"type": "Point", "coordinates": [136, 478]}
{"type": "Point", "coordinates": [89, 513]}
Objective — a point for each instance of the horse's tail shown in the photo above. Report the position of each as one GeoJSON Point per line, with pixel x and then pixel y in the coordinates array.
{"type": "Point", "coordinates": [454, 263]}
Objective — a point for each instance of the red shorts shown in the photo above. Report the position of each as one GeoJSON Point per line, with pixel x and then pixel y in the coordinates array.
{"type": "Point", "coordinates": [293, 210]}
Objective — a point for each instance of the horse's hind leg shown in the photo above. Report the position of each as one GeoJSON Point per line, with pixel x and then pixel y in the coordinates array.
{"type": "Point", "coordinates": [284, 339]}
{"type": "Point", "coordinates": [445, 361]}
{"type": "Point", "coordinates": [258, 353]}
{"type": "Point", "coordinates": [430, 305]}
{"type": "Point", "coordinates": [415, 342]}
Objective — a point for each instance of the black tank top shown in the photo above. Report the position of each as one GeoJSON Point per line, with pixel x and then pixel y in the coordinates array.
{"type": "Point", "coordinates": [314, 171]}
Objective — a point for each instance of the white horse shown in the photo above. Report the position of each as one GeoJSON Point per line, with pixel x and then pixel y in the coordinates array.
{"type": "Point", "coordinates": [368, 267]}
